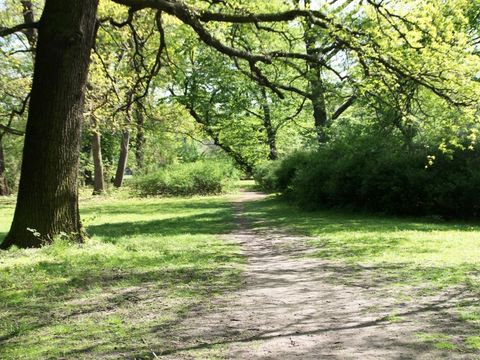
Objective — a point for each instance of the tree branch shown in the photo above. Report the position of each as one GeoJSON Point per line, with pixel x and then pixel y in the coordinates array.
{"type": "Point", "coordinates": [9, 130]}
{"type": "Point", "coordinates": [20, 27]}
{"type": "Point", "coordinates": [342, 108]}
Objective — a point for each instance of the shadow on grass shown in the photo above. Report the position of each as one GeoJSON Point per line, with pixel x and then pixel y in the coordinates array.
{"type": "Point", "coordinates": [157, 206]}
{"type": "Point", "coordinates": [141, 291]}
{"type": "Point", "coordinates": [402, 347]}
{"type": "Point", "coordinates": [63, 301]}
{"type": "Point", "coordinates": [278, 211]}
{"type": "Point", "coordinates": [404, 247]}
{"type": "Point", "coordinates": [217, 222]}
{"type": "Point", "coordinates": [434, 313]}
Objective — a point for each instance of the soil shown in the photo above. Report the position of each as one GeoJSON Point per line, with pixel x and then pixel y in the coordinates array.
{"type": "Point", "coordinates": [292, 306]}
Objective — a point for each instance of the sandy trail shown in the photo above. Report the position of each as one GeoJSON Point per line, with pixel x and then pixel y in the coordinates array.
{"type": "Point", "coordinates": [295, 307]}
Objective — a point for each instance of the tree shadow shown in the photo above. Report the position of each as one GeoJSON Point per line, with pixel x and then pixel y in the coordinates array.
{"type": "Point", "coordinates": [275, 210]}
{"type": "Point", "coordinates": [214, 222]}
{"type": "Point", "coordinates": [122, 290]}
{"type": "Point", "coordinates": [434, 314]}
{"type": "Point", "coordinates": [431, 309]}
{"type": "Point", "coordinates": [158, 206]}
{"type": "Point", "coordinates": [69, 294]}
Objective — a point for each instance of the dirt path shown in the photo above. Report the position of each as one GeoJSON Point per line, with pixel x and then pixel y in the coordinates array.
{"type": "Point", "coordinates": [294, 307]}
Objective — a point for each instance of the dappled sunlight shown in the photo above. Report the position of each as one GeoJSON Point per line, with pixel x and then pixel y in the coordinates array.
{"type": "Point", "coordinates": [375, 238]}
{"type": "Point", "coordinates": [406, 259]}
{"type": "Point", "coordinates": [129, 278]}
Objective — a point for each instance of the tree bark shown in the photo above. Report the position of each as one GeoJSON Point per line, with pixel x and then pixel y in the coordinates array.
{"type": "Point", "coordinates": [29, 17]}
{"type": "Point", "coordinates": [4, 190]}
{"type": "Point", "coordinates": [267, 123]}
{"type": "Point", "coordinates": [314, 76]}
{"type": "Point", "coordinates": [48, 195]}
{"type": "Point", "coordinates": [320, 115]}
{"type": "Point", "coordinates": [98, 175]}
{"type": "Point", "coordinates": [122, 160]}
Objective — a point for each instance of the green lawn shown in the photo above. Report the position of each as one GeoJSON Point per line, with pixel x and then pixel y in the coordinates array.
{"type": "Point", "coordinates": [410, 258]}
{"type": "Point", "coordinates": [149, 261]}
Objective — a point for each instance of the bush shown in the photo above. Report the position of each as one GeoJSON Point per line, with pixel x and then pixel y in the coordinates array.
{"type": "Point", "coordinates": [206, 177]}
{"type": "Point", "coordinates": [265, 176]}
{"type": "Point", "coordinates": [378, 174]}
{"type": "Point", "coordinates": [277, 176]}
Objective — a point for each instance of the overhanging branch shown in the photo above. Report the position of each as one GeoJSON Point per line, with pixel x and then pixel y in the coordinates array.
{"type": "Point", "coordinates": [4, 31]}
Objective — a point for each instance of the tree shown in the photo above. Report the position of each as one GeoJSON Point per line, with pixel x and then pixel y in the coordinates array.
{"type": "Point", "coordinates": [122, 158]}
{"type": "Point", "coordinates": [47, 201]}
{"type": "Point", "coordinates": [16, 110]}
{"type": "Point", "coordinates": [98, 174]}
{"type": "Point", "coordinates": [382, 49]}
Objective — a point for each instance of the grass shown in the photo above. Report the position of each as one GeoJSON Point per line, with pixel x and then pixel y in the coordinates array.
{"type": "Point", "coordinates": [440, 253]}
{"type": "Point", "coordinates": [407, 257]}
{"type": "Point", "coordinates": [247, 185]}
{"type": "Point", "coordinates": [438, 340]}
{"type": "Point", "coordinates": [148, 263]}
{"type": "Point", "coordinates": [151, 262]}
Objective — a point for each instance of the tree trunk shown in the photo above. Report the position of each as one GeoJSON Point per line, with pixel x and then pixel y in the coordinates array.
{"type": "Point", "coordinates": [267, 123]}
{"type": "Point", "coordinates": [4, 190]}
{"type": "Point", "coordinates": [315, 81]}
{"type": "Point", "coordinates": [122, 160]}
{"type": "Point", "coordinates": [140, 138]}
{"type": "Point", "coordinates": [98, 176]}
{"type": "Point", "coordinates": [29, 17]}
{"type": "Point", "coordinates": [47, 202]}
{"type": "Point", "coordinates": [320, 115]}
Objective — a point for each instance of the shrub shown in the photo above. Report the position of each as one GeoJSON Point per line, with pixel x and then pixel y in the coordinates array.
{"type": "Point", "coordinates": [265, 176]}
{"type": "Point", "coordinates": [204, 177]}
{"type": "Point", "coordinates": [277, 176]}
{"type": "Point", "coordinates": [289, 168]}
{"type": "Point", "coordinates": [378, 174]}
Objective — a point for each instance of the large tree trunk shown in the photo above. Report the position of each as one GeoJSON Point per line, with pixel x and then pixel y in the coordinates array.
{"type": "Point", "coordinates": [140, 138]}
{"type": "Point", "coordinates": [98, 176]}
{"type": "Point", "coordinates": [48, 195]}
{"type": "Point", "coordinates": [4, 190]}
{"type": "Point", "coordinates": [122, 160]}
{"type": "Point", "coordinates": [267, 123]}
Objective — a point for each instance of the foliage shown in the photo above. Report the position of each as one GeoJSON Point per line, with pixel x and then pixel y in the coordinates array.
{"type": "Point", "coordinates": [265, 176]}
{"type": "Point", "coordinates": [202, 177]}
{"type": "Point", "coordinates": [374, 172]}
{"type": "Point", "coordinates": [277, 176]}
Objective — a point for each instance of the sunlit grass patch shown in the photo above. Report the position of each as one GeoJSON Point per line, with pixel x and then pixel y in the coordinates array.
{"type": "Point", "coordinates": [438, 340]}
{"type": "Point", "coordinates": [473, 342]}
{"type": "Point", "coordinates": [147, 264]}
